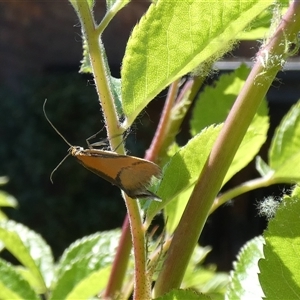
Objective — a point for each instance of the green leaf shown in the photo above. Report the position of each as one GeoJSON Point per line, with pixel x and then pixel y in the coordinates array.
{"type": "Point", "coordinates": [262, 26]}
{"type": "Point", "coordinates": [174, 209]}
{"type": "Point", "coordinates": [213, 106]}
{"type": "Point", "coordinates": [279, 270]}
{"type": "Point", "coordinates": [31, 279]}
{"type": "Point", "coordinates": [115, 87]}
{"type": "Point", "coordinates": [262, 167]}
{"type": "Point", "coordinates": [286, 140]}
{"type": "Point", "coordinates": [284, 153]}
{"type": "Point", "coordinates": [183, 294]}
{"type": "Point", "coordinates": [13, 285]}
{"type": "Point", "coordinates": [7, 200]}
{"type": "Point", "coordinates": [84, 267]}
{"type": "Point", "coordinates": [175, 37]}
{"type": "Point", "coordinates": [85, 66]}
{"type": "Point", "coordinates": [30, 249]}
{"type": "Point", "coordinates": [91, 285]}
{"type": "Point", "coordinates": [254, 33]}
{"type": "Point", "coordinates": [184, 168]}
{"type": "Point", "coordinates": [258, 28]}
{"type": "Point", "coordinates": [296, 191]}
{"type": "Point", "coordinates": [215, 102]}
{"type": "Point", "coordinates": [203, 280]}
{"type": "Point", "coordinates": [207, 281]}
{"type": "Point", "coordinates": [288, 171]}
{"type": "Point", "coordinates": [100, 243]}
{"type": "Point", "coordinates": [3, 216]}
{"type": "Point", "coordinates": [244, 279]}
{"type": "Point", "coordinates": [84, 278]}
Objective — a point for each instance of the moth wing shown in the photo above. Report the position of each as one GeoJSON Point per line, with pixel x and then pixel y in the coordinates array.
{"type": "Point", "coordinates": [129, 173]}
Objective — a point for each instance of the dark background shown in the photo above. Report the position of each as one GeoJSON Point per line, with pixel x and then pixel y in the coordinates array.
{"type": "Point", "coordinates": [40, 51]}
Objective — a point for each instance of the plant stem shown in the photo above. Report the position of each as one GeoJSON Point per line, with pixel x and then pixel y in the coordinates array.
{"type": "Point", "coordinates": [246, 187]}
{"type": "Point", "coordinates": [112, 11]}
{"type": "Point", "coordinates": [101, 77]}
{"type": "Point", "coordinates": [179, 110]}
{"type": "Point", "coordinates": [120, 264]}
{"type": "Point", "coordinates": [211, 178]}
{"type": "Point", "coordinates": [163, 126]}
{"type": "Point", "coordinates": [141, 285]}
{"type": "Point", "coordinates": [243, 188]}
{"type": "Point", "coordinates": [174, 111]}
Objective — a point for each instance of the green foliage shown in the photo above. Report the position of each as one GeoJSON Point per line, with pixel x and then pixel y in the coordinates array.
{"type": "Point", "coordinates": [6, 200]}
{"type": "Point", "coordinates": [229, 124]}
{"type": "Point", "coordinates": [30, 249]}
{"type": "Point", "coordinates": [204, 279]}
{"type": "Point", "coordinates": [181, 173]}
{"type": "Point", "coordinates": [85, 66]}
{"type": "Point", "coordinates": [13, 285]}
{"type": "Point", "coordinates": [185, 163]}
{"type": "Point", "coordinates": [151, 60]}
{"type": "Point", "coordinates": [84, 267]}
{"type": "Point", "coordinates": [92, 244]}
{"type": "Point", "coordinates": [183, 294]}
{"type": "Point", "coordinates": [215, 102]}
{"type": "Point", "coordinates": [80, 274]}
{"type": "Point", "coordinates": [244, 282]}
{"type": "Point", "coordinates": [284, 156]}
{"type": "Point", "coordinates": [279, 269]}
{"type": "Point", "coordinates": [174, 209]}
{"type": "Point", "coordinates": [213, 106]}
{"type": "Point", "coordinates": [259, 28]}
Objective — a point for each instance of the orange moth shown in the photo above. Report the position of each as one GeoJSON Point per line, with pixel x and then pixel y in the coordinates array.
{"type": "Point", "coordinates": [131, 174]}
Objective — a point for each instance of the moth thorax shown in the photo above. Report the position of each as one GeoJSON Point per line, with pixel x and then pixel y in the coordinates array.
{"type": "Point", "coordinates": [75, 150]}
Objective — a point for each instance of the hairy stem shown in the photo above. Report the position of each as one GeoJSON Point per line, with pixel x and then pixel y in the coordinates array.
{"type": "Point", "coordinates": [101, 77]}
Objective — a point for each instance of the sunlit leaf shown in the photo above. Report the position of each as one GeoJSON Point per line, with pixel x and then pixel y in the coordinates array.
{"type": "Point", "coordinates": [175, 37]}
{"type": "Point", "coordinates": [279, 270]}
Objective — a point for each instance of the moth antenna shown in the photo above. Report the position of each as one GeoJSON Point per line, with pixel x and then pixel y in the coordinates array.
{"type": "Point", "coordinates": [56, 130]}
{"type": "Point", "coordinates": [58, 166]}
